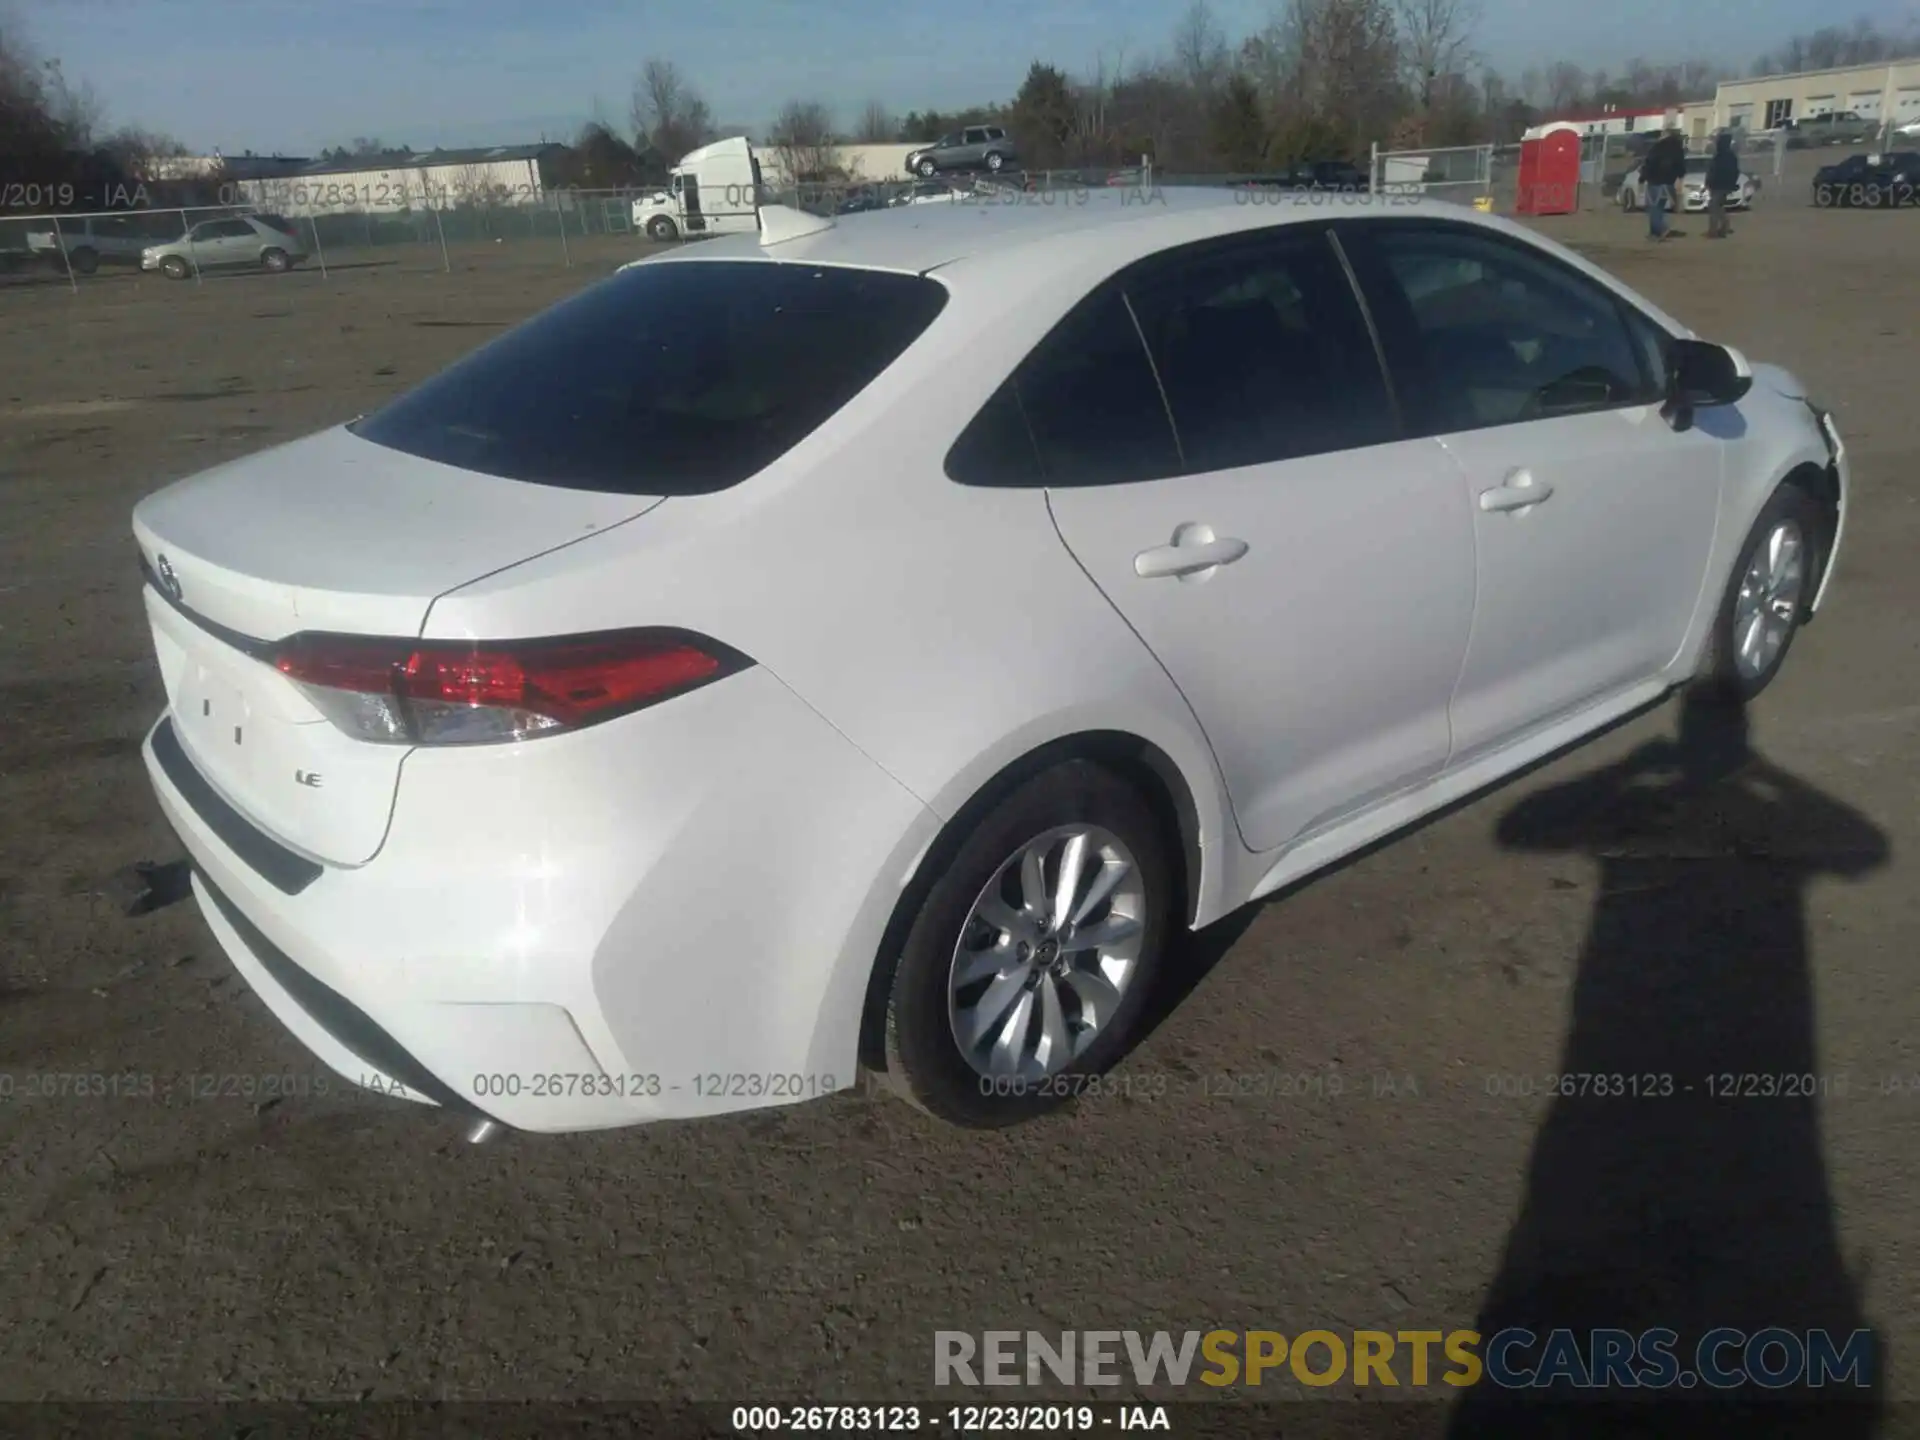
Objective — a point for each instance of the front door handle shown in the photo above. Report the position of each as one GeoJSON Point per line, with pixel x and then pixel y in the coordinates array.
{"type": "Point", "coordinates": [1195, 552]}
{"type": "Point", "coordinates": [1521, 492]}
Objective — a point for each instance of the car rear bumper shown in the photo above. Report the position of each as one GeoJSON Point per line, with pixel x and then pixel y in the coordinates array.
{"type": "Point", "coordinates": [667, 916]}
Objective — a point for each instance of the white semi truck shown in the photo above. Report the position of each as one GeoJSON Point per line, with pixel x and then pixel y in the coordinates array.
{"type": "Point", "coordinates": [714, 190]}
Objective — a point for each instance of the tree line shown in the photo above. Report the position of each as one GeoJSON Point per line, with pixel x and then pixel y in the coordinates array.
{"type": "Point", "coordinates": [1321, 79]}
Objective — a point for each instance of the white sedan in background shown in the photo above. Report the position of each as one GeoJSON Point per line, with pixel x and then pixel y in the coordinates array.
{"type": "Point", "coordinates": [1693, 189]}
{"type": "Point", "coordinates": [870, 642]}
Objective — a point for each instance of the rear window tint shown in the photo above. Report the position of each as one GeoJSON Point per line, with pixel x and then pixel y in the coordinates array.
{"type": "Point", "coordinates": [666, 379]}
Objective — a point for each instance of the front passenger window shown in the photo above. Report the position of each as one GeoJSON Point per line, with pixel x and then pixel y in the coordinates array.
{"type": "Point", "coordinates": [1490, 335]}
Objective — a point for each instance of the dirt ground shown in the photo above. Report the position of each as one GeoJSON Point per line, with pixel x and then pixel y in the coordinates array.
{"type": "Point", "coordinates": [346, 1246]}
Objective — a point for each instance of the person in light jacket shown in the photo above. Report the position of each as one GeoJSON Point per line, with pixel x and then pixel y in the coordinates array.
{"type": "Point", "coordinates": [1723, 178]}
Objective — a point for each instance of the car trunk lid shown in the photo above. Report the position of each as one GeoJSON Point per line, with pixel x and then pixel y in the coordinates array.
{"type": "Point", "coordinates": [331, 533]}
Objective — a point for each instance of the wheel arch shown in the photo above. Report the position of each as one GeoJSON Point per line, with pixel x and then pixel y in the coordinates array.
{"type": "Point", "coordinates": [1139, 761]}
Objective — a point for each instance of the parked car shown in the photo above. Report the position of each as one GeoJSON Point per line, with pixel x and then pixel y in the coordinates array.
{"type": "Point", "coordinates": [268, 241]}
{"type": "Point", "coordinates": [1693, 189]}
{"type": "Point", "coordinates": [1311, 175]}
{"type": "Point", "coordinates": [1889, 182]}
{"type": "Point", "coordinates": [860, 198]}
{"type": "Point", "coordinates": [591, 735]}
{"type": "Point", "coordinates": [1910, 130]}
{"type": "Point", "coordinates": [977, 147]}
{"type": "Point", "coordinates": [1837, 127]}
{"type": "Point", "coordinates": [89, 241]}
{"type": "Point", "coordinates": [931, 192]}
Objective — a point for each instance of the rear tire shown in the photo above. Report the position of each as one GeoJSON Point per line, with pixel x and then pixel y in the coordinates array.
{"type": "Point", "coordinates": [275, 259]}
{"type": "Point", "coordinates": [1048, 982]}
{"type": "Point", "coordinates": [84, 260]}
{"type": "Point", "coordinates": [995, 160]}
{"type": "Point", "coordinates": [1767, 597]}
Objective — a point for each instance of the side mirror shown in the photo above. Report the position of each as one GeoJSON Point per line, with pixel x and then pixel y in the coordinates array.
{"type": "Point", "coordinates": [1701, 375]}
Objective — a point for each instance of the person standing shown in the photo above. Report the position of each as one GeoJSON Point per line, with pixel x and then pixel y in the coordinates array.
{"type": "Point", "coordinates": [1666, 163]}
{"type": "Point", "coordinates": [1723, 178]}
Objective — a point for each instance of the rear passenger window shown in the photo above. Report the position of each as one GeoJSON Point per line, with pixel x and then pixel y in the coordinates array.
{"type": "Point", "coordinates": [1264, 354]}
{"type": "Point", "coordinates": [1092, 402]}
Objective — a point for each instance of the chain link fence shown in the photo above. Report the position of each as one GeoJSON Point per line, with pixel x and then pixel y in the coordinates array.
{"type": "Point", "coordinates": [560, 226]}
{"type": "Point", "coordinates": [1463, 174]}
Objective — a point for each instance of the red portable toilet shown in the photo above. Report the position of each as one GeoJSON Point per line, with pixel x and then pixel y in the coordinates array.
{"type": "Point", "coordinates": [1549, 170]}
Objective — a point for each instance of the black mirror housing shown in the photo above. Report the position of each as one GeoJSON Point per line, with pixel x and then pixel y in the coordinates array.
{"type": "Point", "coordinates": [1701, 374]}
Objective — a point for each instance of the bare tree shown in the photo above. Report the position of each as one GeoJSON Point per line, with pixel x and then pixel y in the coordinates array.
{"type": "Point", "coordinates": [1565, 86]}
{"type": "Point", "coordinates": [1436, 39]}
{"type": "Point", "coordinates": [668, 113]}
{"type": "Point", "coordinates": [877, 125]}
{"type": "Point", "coordinates": [1346, 66]}
{"type": "Point", "coordinates": [803, 140]}
{"type": "Point", "coordinates": [1200, 51]}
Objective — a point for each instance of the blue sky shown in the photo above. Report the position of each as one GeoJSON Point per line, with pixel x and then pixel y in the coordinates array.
{"type": "Point", "coordinates": [292, 76]}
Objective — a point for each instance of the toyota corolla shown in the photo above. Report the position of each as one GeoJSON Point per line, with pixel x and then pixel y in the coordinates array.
{"type": "Point", "coordinates": [867, 644]}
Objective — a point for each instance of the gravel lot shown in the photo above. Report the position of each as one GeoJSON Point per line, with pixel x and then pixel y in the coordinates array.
{"type": "Point", "coordinates": [340, 1245]}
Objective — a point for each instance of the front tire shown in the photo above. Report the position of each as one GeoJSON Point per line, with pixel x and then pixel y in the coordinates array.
{"type": "Point", "coordinates": [1766, 601]}
{"type": "Point", "coordinates": [661, 229]}
{"type": "Point", "coordinates": [84, 260]}
{"type": "Point", "coordinates": [927, 169]}
{"type": "Point", "coordinates": [175, 268]}
{"type": "Point", "coordinates": [1030, 961]}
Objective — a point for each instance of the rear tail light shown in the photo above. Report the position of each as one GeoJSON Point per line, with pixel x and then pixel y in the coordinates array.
{"type": "Point", "coordinates": [424, 692]}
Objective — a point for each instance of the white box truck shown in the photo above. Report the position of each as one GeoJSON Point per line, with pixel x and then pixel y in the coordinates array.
{"type": "Point", "coordinates": [714, 190]}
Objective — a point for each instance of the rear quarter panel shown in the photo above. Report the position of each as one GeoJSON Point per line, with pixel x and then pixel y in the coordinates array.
{"type": "Point", "coordinates": [944, 630]}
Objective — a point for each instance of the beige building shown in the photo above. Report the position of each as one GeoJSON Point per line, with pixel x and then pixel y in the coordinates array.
{"type": "Point", "coordinates": [1873, 92]}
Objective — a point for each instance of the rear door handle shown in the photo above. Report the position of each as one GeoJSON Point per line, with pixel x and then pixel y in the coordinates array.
{"type": "Point", "coordinates": [1521, 492]}
{"type": "Point", "coordinates": [1195, 551]}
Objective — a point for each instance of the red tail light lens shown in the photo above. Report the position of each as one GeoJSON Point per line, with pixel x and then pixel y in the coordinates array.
{"type": "Point", "coordinates": [416, 692]}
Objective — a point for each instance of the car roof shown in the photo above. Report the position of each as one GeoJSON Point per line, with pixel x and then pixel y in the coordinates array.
{"type": "Point", "coordinates": [1040, 230]}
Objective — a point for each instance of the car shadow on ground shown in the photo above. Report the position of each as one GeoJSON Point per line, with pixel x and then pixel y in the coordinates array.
{"type": "Point", "coordinates": [1701, 1201]}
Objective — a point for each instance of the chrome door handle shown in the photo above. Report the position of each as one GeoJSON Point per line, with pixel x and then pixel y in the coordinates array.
{"type": "Point", "coordinates": [1521, 492]}
{"type": "Point", "coordinates": [1195, 551]}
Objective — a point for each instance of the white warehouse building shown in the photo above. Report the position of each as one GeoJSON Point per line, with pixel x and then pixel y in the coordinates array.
{"type": "Point", "coordinates": [437, 180]}
{"type": "Point", "coordinates": [1887, 90]}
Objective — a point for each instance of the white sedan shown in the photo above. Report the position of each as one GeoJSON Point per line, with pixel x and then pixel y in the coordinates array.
{"type": "Point", "coordinates": [868, 643]}
{"type": "Point", "coordinates": [1693, 190]}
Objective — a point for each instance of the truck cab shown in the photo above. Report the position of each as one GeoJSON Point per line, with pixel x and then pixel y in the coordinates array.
{"type": "Point", "coordinates": [714, 190]}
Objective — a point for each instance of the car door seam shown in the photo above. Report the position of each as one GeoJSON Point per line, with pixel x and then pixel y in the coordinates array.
{"type": "Point", "coordinates": [1473, 614]}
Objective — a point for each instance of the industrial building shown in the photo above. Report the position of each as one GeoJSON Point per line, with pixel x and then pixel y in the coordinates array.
{"type": "Point", "coordinates": [436, 180]}
{"type": "Point", "coordinates": [1890, 89]}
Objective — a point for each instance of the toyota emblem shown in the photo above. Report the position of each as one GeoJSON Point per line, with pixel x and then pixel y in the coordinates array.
{"type": "Point", "coordinates": [169, 581]}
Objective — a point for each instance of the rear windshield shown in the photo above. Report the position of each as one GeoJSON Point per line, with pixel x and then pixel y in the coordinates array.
{"type": "Point", "coordinates": [667, 379]}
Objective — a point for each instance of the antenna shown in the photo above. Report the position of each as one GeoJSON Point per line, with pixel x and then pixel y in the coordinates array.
{"type": "Point", "coordinates": [781, 223]}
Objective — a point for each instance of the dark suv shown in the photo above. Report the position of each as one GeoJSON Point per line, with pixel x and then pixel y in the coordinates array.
{"type": "Point", "coordinates": [977, 147]}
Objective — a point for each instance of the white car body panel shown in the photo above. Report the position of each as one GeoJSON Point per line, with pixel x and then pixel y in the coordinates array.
{"type": "Point", "coordinates": [701, 888]}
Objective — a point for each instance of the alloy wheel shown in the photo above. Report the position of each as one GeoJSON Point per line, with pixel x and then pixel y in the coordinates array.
{"type": "Point", "coordinates": [1768, 605]}
{"type": "Point", "coordinates": [1047, 953]}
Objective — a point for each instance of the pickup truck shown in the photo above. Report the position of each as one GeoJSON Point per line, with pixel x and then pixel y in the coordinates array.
{"type": "Point", "coordinates": [1836, 127]}
{"type": "Point", "coordinates": [93, 240]}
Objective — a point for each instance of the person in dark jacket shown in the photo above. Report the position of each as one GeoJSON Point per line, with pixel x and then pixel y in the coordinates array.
{"type": "Point", "coordinates": [1664, 168]}
{"type": "Point", "coordinates": [1723, 178]}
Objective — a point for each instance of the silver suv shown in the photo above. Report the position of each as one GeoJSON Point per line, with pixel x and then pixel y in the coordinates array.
{"type": "Point", "coordinates": [976, 147]}
{"type": "Point", "coordinates": [1837, 127]}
